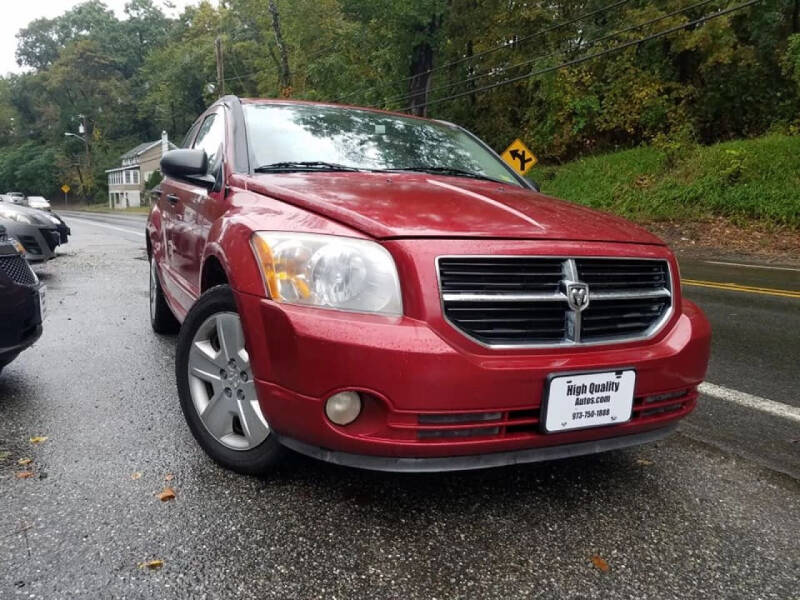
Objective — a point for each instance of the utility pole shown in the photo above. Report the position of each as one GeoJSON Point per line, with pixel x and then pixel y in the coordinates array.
{"type": "Point", "coordinates": [284, 73]}
{"type": "Point", "coordinates": [220, 66]}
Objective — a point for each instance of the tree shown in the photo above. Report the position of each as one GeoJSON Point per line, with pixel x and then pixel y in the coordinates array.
{"type": "Point", "coordinates": [282, 60]}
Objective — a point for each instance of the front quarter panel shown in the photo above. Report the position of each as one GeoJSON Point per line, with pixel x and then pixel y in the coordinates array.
{"type": "Point", "coordinates": [155, 233]}
{"type": "Point", "coordinates": [229, 237]}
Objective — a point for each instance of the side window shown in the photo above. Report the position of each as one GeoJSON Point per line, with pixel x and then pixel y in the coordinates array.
{"type": "Point", "coordinates": [211, 137]}
{"type": "Point", "coordinates": [187, 140]}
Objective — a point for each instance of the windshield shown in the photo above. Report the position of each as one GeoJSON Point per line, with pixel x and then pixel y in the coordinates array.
{"type": "Point", "coordinates": [311, 137]}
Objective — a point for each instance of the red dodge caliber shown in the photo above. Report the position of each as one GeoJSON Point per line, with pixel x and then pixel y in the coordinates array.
{"type": "Point", "coordinates": [382, 291]}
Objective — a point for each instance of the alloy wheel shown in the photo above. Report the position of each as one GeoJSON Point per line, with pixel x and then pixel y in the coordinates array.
{"type": "Point", "coordinates": [221, 384]}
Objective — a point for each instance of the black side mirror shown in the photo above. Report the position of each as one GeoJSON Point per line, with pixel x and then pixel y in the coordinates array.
{"type": "Point", "coordinates": [188, 165]}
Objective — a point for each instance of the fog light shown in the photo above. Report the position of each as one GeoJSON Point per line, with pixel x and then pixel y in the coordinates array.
{"type": "Point", "coordinates": [343, 408]}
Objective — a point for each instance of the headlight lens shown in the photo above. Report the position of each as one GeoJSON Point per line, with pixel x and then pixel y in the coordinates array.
{"type": "Point", "coordinates": [54, 220]}
{"type": "Point", "coordinates": [329, 272]}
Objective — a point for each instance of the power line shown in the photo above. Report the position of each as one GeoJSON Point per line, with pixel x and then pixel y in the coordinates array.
{"type": "Point", "coordinates": [317, 54]}
{"type": "Point", "coordinates": [499, 47]}
{"type": "Point", "coordinates": [551, 54]}
{"type": "Point", "coordinates": [583, 59]}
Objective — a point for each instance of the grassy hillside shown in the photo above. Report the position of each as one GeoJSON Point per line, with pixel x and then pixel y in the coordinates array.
{"type": "Point", "coordinates": [746, 180]}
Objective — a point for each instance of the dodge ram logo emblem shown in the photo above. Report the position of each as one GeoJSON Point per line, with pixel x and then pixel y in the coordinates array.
{"type": "Point", "coordinates": [577, 295]}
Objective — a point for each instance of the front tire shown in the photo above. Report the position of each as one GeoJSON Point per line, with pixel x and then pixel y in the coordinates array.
{"type": "Point", "coordinates": [216, 387]}
{"type": "Point", "coordinates": [162, 320]}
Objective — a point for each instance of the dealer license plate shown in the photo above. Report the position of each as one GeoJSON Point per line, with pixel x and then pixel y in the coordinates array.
{"type": "Point", "coordinates": [589, 400]}
{"type": "Point", "coordinates": [43, 301]}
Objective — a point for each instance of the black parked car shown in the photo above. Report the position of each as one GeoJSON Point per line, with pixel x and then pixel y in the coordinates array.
{"type": "Point", "coordinates": [39, 232]}
{"type": "Point", "coordinates": [22, 301]}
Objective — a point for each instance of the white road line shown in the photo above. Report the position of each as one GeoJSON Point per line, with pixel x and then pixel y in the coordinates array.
{"type": "Point", "coordinates": [98, 224]}
{"type": "Point", "coordinates": [735, 264]}
{"type": "Point", "coordinates": [779, 409]}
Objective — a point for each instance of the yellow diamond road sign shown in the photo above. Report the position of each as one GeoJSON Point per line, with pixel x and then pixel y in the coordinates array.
{"type": "Point", "coordinates": [65, 188]}
{"type": "Point", "coordinates": [519, 156]}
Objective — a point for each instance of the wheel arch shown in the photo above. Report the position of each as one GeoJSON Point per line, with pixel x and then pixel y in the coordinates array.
{"type": "Point", "coordinates": [213, 273]}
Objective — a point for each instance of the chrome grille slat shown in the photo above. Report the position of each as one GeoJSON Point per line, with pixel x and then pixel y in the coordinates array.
{"type": "Point", "coordinates": [488, 275]}
{"type": "Point", "coordinates": [522, 301]}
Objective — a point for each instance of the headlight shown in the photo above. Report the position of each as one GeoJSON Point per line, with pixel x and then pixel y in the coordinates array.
{"type": "Point", "coordinates": [19, 247]}
{"type": "Point", "coordinates": [54, 220]}
{"type": "Point", "coordinates": [15, 216]}
{"type": "Point", "coordinates": [328, 272]}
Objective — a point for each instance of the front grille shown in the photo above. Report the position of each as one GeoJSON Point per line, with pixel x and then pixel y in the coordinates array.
{"type": "Point", "coordinates": [524, 423]}
{"type": "Point", "coordinates": [621, 274]}
{"type": "Point", "coordinates": [606, 319]}
{"type": "Point", "coordinates": [530, 301]}
{"type": "Point", "coordinates": [501, 322]}
{"type": "Point", "coordinates": [478, 275]}
{"type": "Point", "coordinates": [17, 269]}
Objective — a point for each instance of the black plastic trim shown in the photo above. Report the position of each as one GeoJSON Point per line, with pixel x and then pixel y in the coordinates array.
{"type": "Point", "coordinates": [480, 461]}
{"type": "Point", "coordinates": [241, 154]}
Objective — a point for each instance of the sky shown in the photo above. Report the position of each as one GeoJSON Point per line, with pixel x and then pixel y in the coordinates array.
{"type": "Point", "coordinates": [26, 11]}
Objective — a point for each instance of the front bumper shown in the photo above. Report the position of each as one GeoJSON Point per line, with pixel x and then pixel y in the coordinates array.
{"type": "Point", "coordinates": [411, 377]}
{"type": "Point", "coordinates": [479, 461]}
{"type": "Point", "coordinates": [20, 320]}
{"type": "Point", "coordinates": [29, 337]}
{"type": "Point", "coordinates": [40, 243]}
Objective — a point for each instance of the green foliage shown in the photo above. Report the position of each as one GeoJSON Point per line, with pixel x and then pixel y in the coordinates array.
{"type": "Point", "coordinates": [130, 77]}
{"type": "Point", "coordinates": [747, 179]}
{"type": "Point", "coordinates": [155, 178]}
{"type": "Point", "coordinates": [29, 167]}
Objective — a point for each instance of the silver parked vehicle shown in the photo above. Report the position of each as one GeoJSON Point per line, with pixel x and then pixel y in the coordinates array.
{"type": "Point", "coordinates": [39, 202]}
{"type": "Point", "coordinates": [37, 231]}
{"type": "Point", "coordinates": [14, 197]}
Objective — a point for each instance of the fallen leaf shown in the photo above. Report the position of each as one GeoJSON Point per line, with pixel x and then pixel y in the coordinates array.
{"type": "Point", "coordinates": [24, 461]}
{"type": "Point", "coordinates": [600, 563]}
{"type": "Point", "coordinates": [152, 564]}
{"type": "Point", "coordinates": [168, 477]}
{"type": "Point", "coordinates": [4, 455]}
{"type": "Point", "coordinates": [24, 474]}
{"type": "Point", "coordinates": [136, 476]}
{"type": "Point", "coordinates": [38, 439]}
{"type": "Point", "coordinates": [644, 462]}
{"type": "Point", "coordinates": [167, 495]}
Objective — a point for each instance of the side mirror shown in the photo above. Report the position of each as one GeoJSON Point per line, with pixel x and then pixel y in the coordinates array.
{"type": "Point", "coordinates": [188, 165]}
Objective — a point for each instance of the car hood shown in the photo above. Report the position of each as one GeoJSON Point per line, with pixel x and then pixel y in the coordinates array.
{"type": "Point", "coordinates": [414, 205]}
{"type": "Point", "coordinates": [38, 216]}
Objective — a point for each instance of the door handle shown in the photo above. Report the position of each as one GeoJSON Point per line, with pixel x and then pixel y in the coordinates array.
{"type": "Point", "coordinates": [172, 199]}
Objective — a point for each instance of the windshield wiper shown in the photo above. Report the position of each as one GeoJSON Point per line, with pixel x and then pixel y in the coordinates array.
{"type": "Point", "coordinates": [447, 171]}
{"type": "Point", "coordinates": [311, 165]}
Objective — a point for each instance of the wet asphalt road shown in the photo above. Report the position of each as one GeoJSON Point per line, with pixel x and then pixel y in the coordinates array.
{"type": "Point", "coordinates": [712, 512]}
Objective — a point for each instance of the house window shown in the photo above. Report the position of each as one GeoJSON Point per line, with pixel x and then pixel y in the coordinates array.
{"type": "Point", "coordinates": [127, 176]}
{"type": "Point", "coordinates": [136, 177]}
